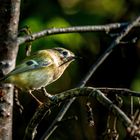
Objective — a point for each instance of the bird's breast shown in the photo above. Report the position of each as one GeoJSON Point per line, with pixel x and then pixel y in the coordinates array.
{"type": "Point", "coordinates": [32, 80]}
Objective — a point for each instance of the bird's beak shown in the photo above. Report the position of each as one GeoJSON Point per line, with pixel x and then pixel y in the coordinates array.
{"type": "Point", "coordinates": [71, 58]}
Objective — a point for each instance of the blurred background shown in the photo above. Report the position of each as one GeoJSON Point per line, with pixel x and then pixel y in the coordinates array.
{"type": "Point", "coordinates": [120, 69]}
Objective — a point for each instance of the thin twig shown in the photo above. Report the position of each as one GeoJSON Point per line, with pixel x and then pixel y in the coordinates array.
{"type": "Point", "coordinates": [119, 91]}
{"type": "Point", "coordinates": [86, 28]}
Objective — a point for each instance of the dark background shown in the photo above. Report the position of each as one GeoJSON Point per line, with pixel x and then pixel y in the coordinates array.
{"type": "Point", "coordinates": [120, 69]}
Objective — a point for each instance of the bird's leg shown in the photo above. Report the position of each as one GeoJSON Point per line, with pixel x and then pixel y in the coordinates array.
{"type": "Point", "coordinates": [39, 102]}
{"type": "Point", "coordinates": [47, 94]}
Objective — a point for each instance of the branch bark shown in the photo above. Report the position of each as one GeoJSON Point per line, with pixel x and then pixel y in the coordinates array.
{"type": "Point", "coordinates": [53, 31]}
{"type": "Point", "coordinates": [9, 17]}
{"type": "Point", "coordinates": [85, 91]}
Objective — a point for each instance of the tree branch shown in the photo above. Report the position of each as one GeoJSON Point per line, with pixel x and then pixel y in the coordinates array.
{"type": "Point", "coordinates": [9, 17]}
{"type": "Point", "coordinates": [119, 91]}
{"type": "Point", "coordinates": [88, 28]}
{"type": "Point", "coordinates": [88, 92]}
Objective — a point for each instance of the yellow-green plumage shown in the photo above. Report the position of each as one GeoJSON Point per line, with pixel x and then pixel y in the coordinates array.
{"type": "Point", "coordinates": [40, 69]}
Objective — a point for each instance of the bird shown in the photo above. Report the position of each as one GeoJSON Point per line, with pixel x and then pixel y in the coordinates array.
{"type": "Point", "coordinates": [40, 69]}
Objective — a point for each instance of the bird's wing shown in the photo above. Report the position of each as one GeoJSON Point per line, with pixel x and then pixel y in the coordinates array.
{"type": "Point", "coordinates": [31, 64]}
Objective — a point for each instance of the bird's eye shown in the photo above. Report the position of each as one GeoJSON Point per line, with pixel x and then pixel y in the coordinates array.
{"type": "Point", "coordinates": [65, 53]}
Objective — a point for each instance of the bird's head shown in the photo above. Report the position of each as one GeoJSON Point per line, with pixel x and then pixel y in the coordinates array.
{"type": "Point", "coordinates": [63, 56]}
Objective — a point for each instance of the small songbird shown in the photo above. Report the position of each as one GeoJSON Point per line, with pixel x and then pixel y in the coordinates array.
{"type": "Point", "coordinates": [40, 69]}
